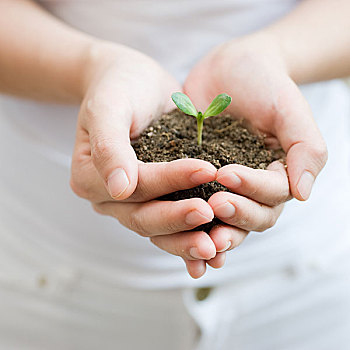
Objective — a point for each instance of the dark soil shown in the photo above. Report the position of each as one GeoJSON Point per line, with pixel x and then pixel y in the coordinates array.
{"type": "Point", "coordinates": [225, 141]}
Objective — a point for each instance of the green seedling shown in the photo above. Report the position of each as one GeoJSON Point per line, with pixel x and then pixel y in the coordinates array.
{"type": "Point", "coordinates": [217, 106]}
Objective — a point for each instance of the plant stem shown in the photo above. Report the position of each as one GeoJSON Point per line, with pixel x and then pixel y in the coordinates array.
{"type": "Point", "coordinates": [200, 120]}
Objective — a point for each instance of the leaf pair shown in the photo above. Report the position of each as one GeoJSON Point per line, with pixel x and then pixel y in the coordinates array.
{"type": "Point", "coordinates": [218, 105]}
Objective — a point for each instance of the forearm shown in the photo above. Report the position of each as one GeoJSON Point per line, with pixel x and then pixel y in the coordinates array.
{"type": "Point", "coordinates": [41, 57]}
{"type": "Point", "coordinates": [314, 40]}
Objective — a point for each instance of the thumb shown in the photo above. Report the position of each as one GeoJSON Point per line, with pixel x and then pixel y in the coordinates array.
{"type": "Point", "coordinates": [111, 151]}
{"type": "Point", "coordinates": [301, 139]}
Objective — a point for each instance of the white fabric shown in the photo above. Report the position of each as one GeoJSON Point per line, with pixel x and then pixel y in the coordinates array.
{"type": "Point", "coordinates": [305, 309]}
{"type": "Point", "coordinates": [67, 274]}
{"type": "Point", "coordinates": [44, 228]}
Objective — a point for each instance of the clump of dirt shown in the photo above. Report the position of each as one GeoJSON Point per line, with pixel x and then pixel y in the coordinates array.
{"type": "Point", "coordinates": [225, 141]}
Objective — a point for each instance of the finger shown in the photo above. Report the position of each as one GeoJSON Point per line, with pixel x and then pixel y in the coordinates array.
{"type": "Point", "coordinates": [158, 179]}
{"type": "Point", "coordinates": [154, 179]}
{"type": "Point", "coordinates": [159, 217]}
{"type": "Point", "coordinates": [191, 245]}
{"type": "Point", "coordinates": [85, 180]}
{"type": "Point", "coordinates": [302, 141]}
{"type": "Point", "coordinates": [112, 154]}
{"type": "Point", "coordinates": [226, 237]}
{"type": "Point", "coordinates": [195, 268]}
{"type": "Point", "coordinates": [269, 186]}
{"type": "Point", "coordinates": [244, 213]}
{"type": "Point", "coordinates": [218, 261]}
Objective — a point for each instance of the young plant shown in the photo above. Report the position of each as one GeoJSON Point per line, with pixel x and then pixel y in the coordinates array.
{"type": "Point", "coordinates": [183, 103]}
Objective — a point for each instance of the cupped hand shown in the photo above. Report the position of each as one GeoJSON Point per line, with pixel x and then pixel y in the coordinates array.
{"type": "Point", "coordinates": [168, 223]}
{"type": "Point", "coordinates": [124, 91]}
{"type": "Point", "coordinates": [256, 202]}
{"type": "Point", "coordinates": [252, 71]}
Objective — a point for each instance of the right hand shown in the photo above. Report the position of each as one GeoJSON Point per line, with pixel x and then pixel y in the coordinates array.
{"type": "Point", "coordinates": [254, 72]}
{"type": "Point", "coordinates": [124, 91]}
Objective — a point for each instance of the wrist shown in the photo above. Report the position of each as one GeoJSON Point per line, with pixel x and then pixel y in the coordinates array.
{"type": "Point", "coordinates": [97, 55]}
{"type": "Point", "coordinates": [259, 49]}
{"type": "Point", "coordinates": [289, 56]}
{"type": "Point", "coordinates": [268, 47]}
{"type": "Point", "coordinates": [100, 56]}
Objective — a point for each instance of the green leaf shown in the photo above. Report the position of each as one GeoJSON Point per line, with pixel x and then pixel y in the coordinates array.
{"type": "Point", "coordinates": [219, 103]}
{"type": "Point", "coordinates": [184, 103]}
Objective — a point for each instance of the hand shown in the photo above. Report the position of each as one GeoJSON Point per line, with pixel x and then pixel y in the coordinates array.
{"type": "Point", "coordinates": [124, 91]}
{"type": "Point", "coordinates": [167, 223]}
{"type": "Point", "coordinates": [253, 72]}
{"type": "Point", "coordinates": [256, 202]}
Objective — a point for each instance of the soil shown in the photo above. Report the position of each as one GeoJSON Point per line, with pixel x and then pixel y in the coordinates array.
{"type": "Point", "coordinates": [225, 141]}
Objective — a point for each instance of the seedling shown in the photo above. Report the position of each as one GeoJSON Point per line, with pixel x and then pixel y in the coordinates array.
{"type": "Point", "coordinates": [218, 105]}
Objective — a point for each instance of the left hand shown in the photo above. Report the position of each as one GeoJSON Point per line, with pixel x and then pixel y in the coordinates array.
{"type": "Point", "coordinates": [256, 203]}
{"type": "Point", "coordinates": [252, 71]}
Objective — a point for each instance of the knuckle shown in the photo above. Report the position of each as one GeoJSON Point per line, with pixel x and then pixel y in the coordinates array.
{"type": "Point", "coordinates": [142, 192]}
{"type": "Point", "coordinates": [94, 105]}
{"type": "Point", "coordinates": [320, 153]}
{"type": "Point", "coordinates": [172, 183]}
{"type": "Point", "coordinates": [285, 194]}
{"type": "Point", "coordinates": [82, 187]}
{"type": "Point", "coordinates": [236, 240]}
{"type": "Point", "coordinates": [170, 222]}
{"type": "Point", "coordinates": [157, 241]}
{"type": "Point", "coordinates": [100, 147]}
{"type": "Point", "coordinates": [97, 208]}
{"type": "Point", "coordinates": [273, 219]}
{"type": "Point", "coordinates": [172, 227]}
{"type": "Point", "coordinates": [179, 249]}
{"type": "Point", "coordinates": [134, 223]}
{"type": "Point", "coordinates": [269, 220]}
{"type": "Point", "coordinates": [282, 197]}
{"type": "Point", "coordinates": [253, 191]}
{"type": "Point", "coordinates": [78, 188]}
{"type": "Point", "coordinates": [284, 191]}
{"type": "Point", "coordinates": [90, 108]}
{"type": "Point", "coordinates": [242, 220]}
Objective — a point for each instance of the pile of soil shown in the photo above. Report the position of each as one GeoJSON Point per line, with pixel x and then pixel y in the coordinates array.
{"type": "Point", "coordinates": [225, 141]}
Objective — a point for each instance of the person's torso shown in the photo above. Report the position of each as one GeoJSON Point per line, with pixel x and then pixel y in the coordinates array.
{"type": "Point", "coordinates": [44, 227]}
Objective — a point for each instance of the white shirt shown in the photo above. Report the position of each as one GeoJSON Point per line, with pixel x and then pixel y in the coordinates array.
{"type": "Point", "coordinates": [46, 229]}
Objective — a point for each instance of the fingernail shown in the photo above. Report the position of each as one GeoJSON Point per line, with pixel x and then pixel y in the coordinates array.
{"type": "Point", "coordinates": [228, 245]}
{"type": "Point", "coordinates": [195, 253]}
{"type": "Point", "coordinates": [202, 175]}
{"type": "Point", "coordinates": [118, 182]}
{"type": "Point", "coordinates": [231, 180]}
{"type": "Point", "coordinates": [305, 184]}
{"type": "Point", "coordinates": [195, 218]}
{"type": "Point", "coordinates": [226, 210]}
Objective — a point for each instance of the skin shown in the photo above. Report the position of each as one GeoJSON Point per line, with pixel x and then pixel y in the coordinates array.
{"type": "Point", "coordinates": [121, 90]}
